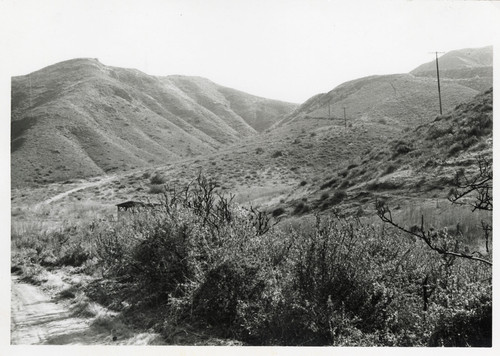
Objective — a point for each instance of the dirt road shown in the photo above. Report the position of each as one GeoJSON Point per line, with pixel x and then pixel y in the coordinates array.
{"type": "Point", "coordinates": [78, 188]}
{"type": "Point", "coordinates": [38, 319]}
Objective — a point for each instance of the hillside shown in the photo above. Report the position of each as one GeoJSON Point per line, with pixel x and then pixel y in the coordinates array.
{"type": "Point", "coordinates": [292, 160]}
{"type": "Point", "coordinates": [403, 100]}
{"type": "Point", "coordinates": [471, 67]}
{"type": "Point", "coordinates": [80, 118]}
{"type": "Point", "coordinates": [398, 100]}
{"type": "Point", "coordinates": [417, 166]}
{"type": "Point", "coordinates": [460, 59]}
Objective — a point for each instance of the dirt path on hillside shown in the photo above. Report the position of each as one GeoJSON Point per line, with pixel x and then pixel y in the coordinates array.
{"type": "Point", "coordinates": [38, 319]}
{"type": "Point", "coordinates": [76, 189]}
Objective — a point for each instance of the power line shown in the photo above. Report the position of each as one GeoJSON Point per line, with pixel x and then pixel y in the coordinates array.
{"type": "Point", "coordinates": [403, 100]}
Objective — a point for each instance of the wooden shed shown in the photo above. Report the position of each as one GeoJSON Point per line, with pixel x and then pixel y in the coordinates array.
{"type": "Point", "coordinates": [133, 206]}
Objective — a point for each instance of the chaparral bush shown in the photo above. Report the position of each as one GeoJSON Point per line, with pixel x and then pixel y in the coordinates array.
{"type": "Point", "coordinates": [198, 261]}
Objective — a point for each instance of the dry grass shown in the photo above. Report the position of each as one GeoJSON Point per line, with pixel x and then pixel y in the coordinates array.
{"type": "Point", "coordinates": [46, 218]}
{"type": "Point", "coordinates": [261, 195]}
{"type": "Point", "coordinates": [441, 213]}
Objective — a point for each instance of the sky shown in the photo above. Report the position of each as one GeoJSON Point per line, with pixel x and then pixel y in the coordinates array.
{"type": "Point", "coordinates": [287, 50]}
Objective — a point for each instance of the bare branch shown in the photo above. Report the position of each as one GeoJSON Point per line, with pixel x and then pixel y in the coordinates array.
{"type": "Point", "coordinates": [481, 184]}
{"type": "Point", "coordinates": [385, 215]}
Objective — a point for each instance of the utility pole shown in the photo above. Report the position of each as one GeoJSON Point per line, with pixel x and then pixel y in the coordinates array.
{"type": "Point", "coordinates": [345, 119]}
{"type": "Point", "coordinates": [29, 78]}
{"type": "Point", "coordinates": [439, 84]}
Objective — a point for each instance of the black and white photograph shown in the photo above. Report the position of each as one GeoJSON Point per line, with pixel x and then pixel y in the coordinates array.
{"type": "Point", "coordinates": [231, 174]}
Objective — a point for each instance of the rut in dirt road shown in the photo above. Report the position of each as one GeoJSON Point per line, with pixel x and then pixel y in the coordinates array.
{"type": "Point", "coordinates": [36, 319]}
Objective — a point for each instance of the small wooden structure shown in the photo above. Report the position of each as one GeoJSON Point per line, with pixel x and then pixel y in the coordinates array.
{"type": "Point", "coordinates": [133, 206]}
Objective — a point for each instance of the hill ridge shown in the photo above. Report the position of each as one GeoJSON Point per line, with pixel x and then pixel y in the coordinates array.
{"type": "Point", "coordinates": [110, 119]}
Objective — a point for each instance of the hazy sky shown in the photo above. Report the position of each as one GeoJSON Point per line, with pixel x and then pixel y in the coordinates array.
{"type": "Point", "coordinates": [288, 50]}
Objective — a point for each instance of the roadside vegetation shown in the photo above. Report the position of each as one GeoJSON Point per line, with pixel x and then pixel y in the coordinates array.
{"type": "Point", "coordinates": [197, 267]}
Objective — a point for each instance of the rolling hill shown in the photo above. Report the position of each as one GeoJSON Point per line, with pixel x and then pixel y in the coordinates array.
{"type": "Point", "coordinates": [80, 118]}
{"type": "Point", "coordinates": [471, 67]}
{"type": "Point", "coordinates": [398, 100]}
{"type": "Point", "coordinates": [304, 151]}
{"type": "Point", "coordinates": [293, 159]}
{"type": "Point", "coordinates": [460, 59]}
{"type": "Point", "coordinates": [418, 165]}
{"type": "Point", "coordinates": [403, 100]}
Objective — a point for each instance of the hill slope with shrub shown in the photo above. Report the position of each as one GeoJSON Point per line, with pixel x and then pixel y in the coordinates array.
{"type": "Point", "coordinates": [81, 118]}
{"type": "Point", "coordinates": [421, 164]}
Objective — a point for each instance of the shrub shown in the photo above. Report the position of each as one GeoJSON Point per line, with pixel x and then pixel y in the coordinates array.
{"type": "Point", "coordinates": [301, 208]}
{"type": "Point", "coordinates": [157, 179]}
{"type": "Point", "coordinates": [156, 189]}
{"type": "Point", "coordinates": [466, 328]}
{"type": "Point", "coordinates": [198, 260]}
{"type": "Point", "coordinates": [160, 261]}
{"type": "Point", "coordinates": [74, 255]}
{"type": "Point", "coordinates": [345, 184]}
{"type": "Point", "coordinates": [329, 183]}
{"type": "Point", "coordinates": [390, 168]}
{"type": "Point", "coordinates": [470, 141]}
{"type": "Point", "coordinates": [343, 173]}
{"type": "Point", "coordinates": [278, 211]}
{"type": "Point", "coordinates": [384, 185]}
{"type": "Point", "coordinates": [67, 293]}
{"type": "Point", "coordinates": [67, 246]}
{"type": "Point", "coordinates": [435, 132]}
{"type": "Point", "coordinates": [277, 154]}
{"type": "Point", "coordinates": [338, 196]}
{"type": "Point", "coordinates": [401, 148]}
{"type": "Point", "coordinates": [216, 300]}
{"type": "Point", "coordinates": [455, 148]}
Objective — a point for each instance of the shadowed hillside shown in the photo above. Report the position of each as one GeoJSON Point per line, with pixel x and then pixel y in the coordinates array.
{"type": "Point", "coordinates": [81, 118]}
